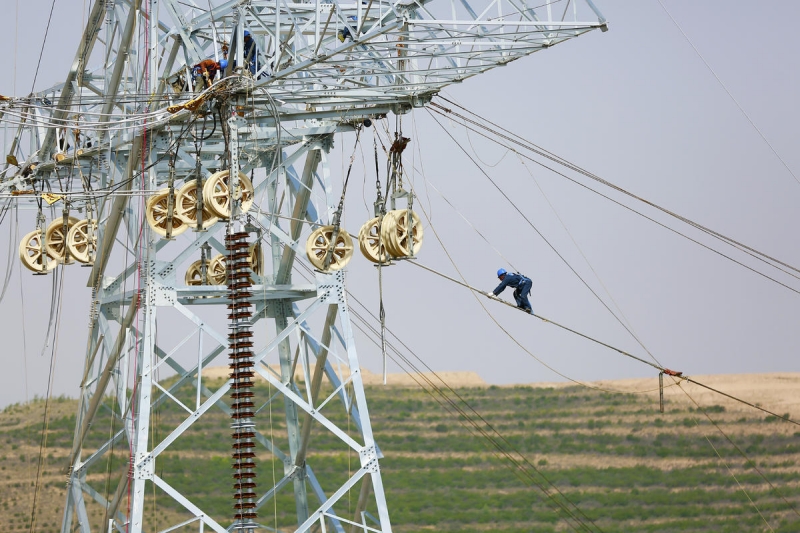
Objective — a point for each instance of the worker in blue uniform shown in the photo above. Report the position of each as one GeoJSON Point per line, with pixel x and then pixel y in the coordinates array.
{"type": "Point", "coordinates": [522, 287]}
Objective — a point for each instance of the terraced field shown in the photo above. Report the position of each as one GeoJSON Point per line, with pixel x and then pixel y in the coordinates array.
{"type": "Point", "coordinates": [612, 460]}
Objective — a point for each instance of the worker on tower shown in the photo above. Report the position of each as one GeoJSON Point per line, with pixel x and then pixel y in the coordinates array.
{"type": "Point", "coordinates": [208, 68]}
{"type": "Point", "coordinates": [250, 54]}
{"type": "Point", "coordinates": [522, 287]}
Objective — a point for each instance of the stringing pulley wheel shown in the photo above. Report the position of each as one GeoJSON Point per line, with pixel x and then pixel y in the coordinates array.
{"type": "Point", "coordinates": [56, 238]}
{"type": "Point", "coordinates": [370, 243]}
{"type": "Point", "coordinates": [217, 270]}
{"type": "Point", "coordinates": [186, 206]}
{"type": "Point", "coordinates": [396, 233]}
{"type": "Point", "coordinates": [318, 243]}
{"type": "Point", "coordinates": [30, 253]}
{"type": "Point", "coordinates": [194, 274]}
{"type": "Point", "coordinates": [217, 197]}
{"type": "Point", "coordinates": [256, 258]}
{"type": "Point", "coordinates": [157, 214]}
{"type": "Point", "coordinates": [78, 240]}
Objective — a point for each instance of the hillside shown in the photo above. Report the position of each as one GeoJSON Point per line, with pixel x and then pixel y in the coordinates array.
{"type": "Point", "coordinates": [626, 466]}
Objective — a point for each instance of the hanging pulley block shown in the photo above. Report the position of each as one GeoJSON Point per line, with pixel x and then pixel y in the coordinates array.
{"type": "Point", "coordinates": [33, 255]}
{"type": "Point", "coordinates": [216, 193]}
{"type": "Point", "coordinates": [79, 243]}
{"type": "Point", "coordinates": [370, 242]}
{"type": "Point", "coordinates": [194, 274]}
{"type": "Point", "coordinates": [56, 238]}
{"type": "Point", "coordinates": [321, 241]}
{"type": "Point", "coordinates": [401, 233]}
{"type": "Point", "coordinates": [217, 268]}
{"type": "Point", "coordinates": [158, 214]}
{"type": "Point", "coordinates": [186, 206]}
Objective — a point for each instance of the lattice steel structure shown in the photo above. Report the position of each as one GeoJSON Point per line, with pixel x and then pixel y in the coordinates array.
{"type": "Point", "coordinates": [128, 121]}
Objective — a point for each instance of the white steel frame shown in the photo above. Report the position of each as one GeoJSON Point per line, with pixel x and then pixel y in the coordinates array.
{"type": "Point", "coordinates": [322, 68]}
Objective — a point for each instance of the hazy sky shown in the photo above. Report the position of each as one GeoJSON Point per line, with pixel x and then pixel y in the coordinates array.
{"type": "Point", "coordinates": [635, 105]}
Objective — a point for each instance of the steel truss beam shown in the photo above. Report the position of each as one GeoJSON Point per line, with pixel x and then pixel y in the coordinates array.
{"type": "Point", "coordinates": [128, 121]}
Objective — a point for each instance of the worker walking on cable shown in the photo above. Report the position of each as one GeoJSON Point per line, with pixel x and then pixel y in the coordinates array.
{"type": "Point", "coordinates": [522, 287]}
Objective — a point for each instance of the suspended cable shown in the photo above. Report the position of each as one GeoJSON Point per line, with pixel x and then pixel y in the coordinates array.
{"type": "Point", "coordinates": [500, 444]}
{"type": "Point", "coordinates": [725, 88]}
{"type": "Point", "coordinates": [660, 368]}
{"type": "Point", "coordinates": [553, 248]}
{"type": "Point", "coordinates": [518, 140]}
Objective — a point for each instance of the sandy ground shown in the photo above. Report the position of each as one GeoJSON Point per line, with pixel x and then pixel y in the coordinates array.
{"type": "Point", "coordinates": [777, 392]}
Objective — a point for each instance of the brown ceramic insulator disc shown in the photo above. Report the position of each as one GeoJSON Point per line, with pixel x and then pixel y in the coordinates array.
{"type": "Point", "coordinates": [246, 485]}
{"type": "Point", "coordinates": [241, 364]}
{"type": "Point", "coordinates": [239, 396]}
{"type": "Point", "coordinates": [244, 352]}
{"type": "Point", "coordinates": [244, 384]}
{"type": "Point", "coordinates": [244, 516]}
{"type": "Point", "coordinates": [235, 245]}
{"type": "Point", "coordinates": [237, 235]}
{"type": "Point", "coordinates": [244, 495]}
{"type": "Point", "coordinates": [238, 456]}
{"type": "Point", "coordinates": [239, 295]}
{"type": "Point", "coordinates": [245, 505]}
{"type": "Point", "coordinates": [241, 344]}
{"type": "Point", "coordinates": [239, 285]}
{"type": "Point", "coordinates": [239, 275]}
{"type": "Point", "coordinates": [243, 445]}
{"type": "Point", "coordinates": [240, 335]}
{"type": "Point", "coordinates": [244, 466]}
{"type": "Point", "coordinates": [239, 416]}
{"type": "Point", "coordinates": [242, 405]}
{"type": "Point", "coordinates": [239, 305]}
{"type": "Point", "coordinates": [239, 316]}
{"type": "Point", "coordinates": [244, 435]}
{"type": "Point", "coordinates": [243, 375]}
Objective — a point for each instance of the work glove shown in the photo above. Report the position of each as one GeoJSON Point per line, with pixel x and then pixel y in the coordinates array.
{"type": "Point", "coordinates": [490, 294]}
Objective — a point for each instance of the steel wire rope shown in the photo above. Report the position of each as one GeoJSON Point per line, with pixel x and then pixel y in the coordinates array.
{"type": "Point", "coordinates": [730, 95]}
{"type": "Point", "coordinates": [675, 382]}
{"type": "Point", "coordinates": [512, 337]}
{"type": "Point", "coordinates": [622, 352]}
{"type": "Point", "coordinates": [577, 247]}
{"type": "Point", "coordinates": [24, 333]}
{"type": "Point", "coordinates": [563, 259]}
{"type": "Point", "coordinates": [741, 452]}
{"type": "Point", "coordinates": [399, 354]}
{"type": "Point", "coordinates": [518, 464]}
{"type": "Point", "coordinates": [495, 448]}
{"type": "Point", "coordinates": [528, 145]}
{"type": "Point", "coordinates": [44, 42]}
{"type": "Point", "coordinates": [707, 247]}
{"type": "Point", "coordinates": [13, 228]}
{"type": "Point", "coordinates": [46, 420]}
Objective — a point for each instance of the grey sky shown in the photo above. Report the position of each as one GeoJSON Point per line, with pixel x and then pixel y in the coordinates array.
{"type": "Point", "coordinates": [634, 105]}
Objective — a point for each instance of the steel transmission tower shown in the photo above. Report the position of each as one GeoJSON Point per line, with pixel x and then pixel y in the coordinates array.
{"type": "Point", "coordinates": [132, 141]}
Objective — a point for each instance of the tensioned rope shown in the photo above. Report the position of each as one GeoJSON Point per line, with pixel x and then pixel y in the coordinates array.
{"type": "Point", "coordinates": [678, 375]}
{"type": "Point", "coordinates": [673, 230]}
{"type": "Point", "coordinates": [552, 247]}
{"type": "Point", "coordinates": [730, 95]}
{"type": "Point", "coordinates": [487, 431]}
{"type": "Point", "coordinates": [528, 145]}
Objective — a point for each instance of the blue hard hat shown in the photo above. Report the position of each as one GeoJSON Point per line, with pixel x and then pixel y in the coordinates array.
{"type": "Point", "coordinates": [223, 63]}
{"type": "Point", "coordinates": [501, 272]}
{"type": "Point", "coordinates": [246, 33]}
